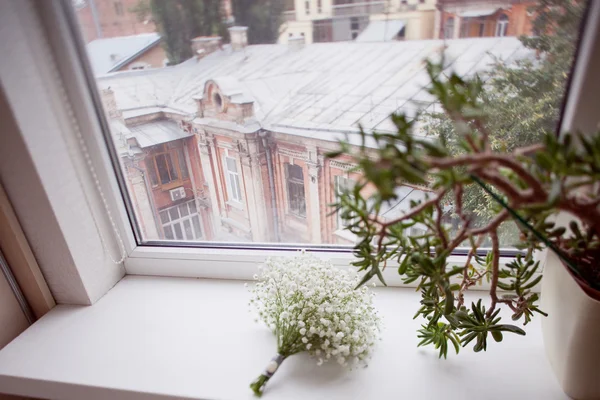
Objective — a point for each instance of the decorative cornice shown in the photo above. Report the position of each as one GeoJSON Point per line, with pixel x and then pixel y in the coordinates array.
{"type": "Point", "coordinates": [293, 153]}
{"type": "Point", "coordinates": [342, 165]}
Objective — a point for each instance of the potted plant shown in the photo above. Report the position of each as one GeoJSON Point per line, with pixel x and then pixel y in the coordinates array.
{"type": "Point", "coordinates": [528, 188]}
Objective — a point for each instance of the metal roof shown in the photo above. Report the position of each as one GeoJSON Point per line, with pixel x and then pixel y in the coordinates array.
{"type": "Point", "coordinates": [157, 132]}
{"type": "Point", "coordinates": [381, 31]}
{"type": "Point", "coordinates": [107, 55]}
{"type": "Point", "coordinates": [319, 90]}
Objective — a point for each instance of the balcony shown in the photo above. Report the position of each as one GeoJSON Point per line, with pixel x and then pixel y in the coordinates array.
{"type": "Point", "coordinates": [289, 16]}
{"type": "Point", "coordinates": [355, 9]}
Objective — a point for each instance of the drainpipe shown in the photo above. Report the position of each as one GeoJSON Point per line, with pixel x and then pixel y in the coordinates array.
{"type": "Point", "coordinates": [263, 135]}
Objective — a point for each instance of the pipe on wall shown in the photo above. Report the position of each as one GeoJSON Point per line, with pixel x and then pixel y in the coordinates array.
{"type": "Point", "coordinates": [263, 135]}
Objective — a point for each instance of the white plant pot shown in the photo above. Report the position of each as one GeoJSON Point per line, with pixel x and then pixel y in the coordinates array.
{"type": "Point", "coordinates": [571, 331]}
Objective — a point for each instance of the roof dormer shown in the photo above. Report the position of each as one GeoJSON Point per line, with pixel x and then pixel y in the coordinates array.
{"type": "Point", "coordinates": [223, 98]}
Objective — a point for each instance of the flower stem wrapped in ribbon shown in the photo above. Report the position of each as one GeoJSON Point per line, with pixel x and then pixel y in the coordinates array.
{"type": "Point", "coordinates": [311, 306]}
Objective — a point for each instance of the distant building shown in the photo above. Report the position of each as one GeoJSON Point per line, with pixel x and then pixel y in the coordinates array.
{"type": "Point", "coordinates": [101, 19]}
{"type": "Point", "coordinates": [126, 53]}
{"type": "Point", "coordinates": [345, 20]}
{"type": "Point", "coordinates": [232, 147]}
{"type": "Point", "coordinates": [476, 18]}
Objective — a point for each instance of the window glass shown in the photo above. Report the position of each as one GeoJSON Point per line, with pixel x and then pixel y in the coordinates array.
{"type": "Point", "coordinates": [151, 170]}
{"type": "Point", "coordinates": [168, 232]}
{"type": "Point", "coordinates": [182, 163]}
{"type": "Point", "coordinates": [252, 162]}
{"type": "Point", "coordinates": [233, 180]}
{"type": "Point", "coordinates": [172, 168]}
{"type": "Point", "coordinates": [174, 213]}
{"type": "Point", "coordinates": [295, 186]}
{"type": "Point", "coordinates": [163, 169]}
{"type": "Point", "coordinates": [164, 217]}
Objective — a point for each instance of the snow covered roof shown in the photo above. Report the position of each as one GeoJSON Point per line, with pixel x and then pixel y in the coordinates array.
{"type": "Point", "coordinates": [108, 55]}
{"type": "Point", "coordinates": [478, 13]}
{"type": "Point", "coordinates": [157, 132]}
{"type": "Point", "coordinates": [381, 31]}
{"type": "Point", "coordinates": [321, 89]}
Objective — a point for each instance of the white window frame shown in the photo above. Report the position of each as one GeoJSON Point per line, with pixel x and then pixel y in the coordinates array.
{"type": "Point", "coordinates": [180, 221]}
{"type": "Point", "coordinates": [221, 260]}
{"type": "Point", "coordinates": [348, 184]}
{"type": "Point", "coordinates": [502, 25]}
{"type": "Point", "coordinates": [232, 180]}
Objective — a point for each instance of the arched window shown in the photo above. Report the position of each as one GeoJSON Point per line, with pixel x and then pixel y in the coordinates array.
{"type": "Point", "coordinates": [502, 25]}
{"type": "Point", "coordinates": [449, 28]}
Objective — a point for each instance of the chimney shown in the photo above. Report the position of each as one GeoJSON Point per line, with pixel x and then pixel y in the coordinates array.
{"type": "Point", "coordinates": [239, 37]}
{"type": "Point", "coordinates": [204, 45]}
{"type": "Point", "coordinates": [296, 43]}
{"type": "Point", "coordinates": [110, 104]}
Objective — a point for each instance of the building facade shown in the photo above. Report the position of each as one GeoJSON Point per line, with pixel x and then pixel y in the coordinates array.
{"type": "Point", "coordinates": [100, 19]}
{"type": "Point", "coordinates": [344, 20]}
{"type": "Point", "coordinates": [472, 18]}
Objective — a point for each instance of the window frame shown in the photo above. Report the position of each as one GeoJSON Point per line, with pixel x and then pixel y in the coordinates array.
{"type": "Point", "coordinates": [289, 181]}
{"type": "Point", "coordinates": [233, 176]}
{"type": "Point", "coordinates": [181, 221]}
{"type": "Point", "coordinates": [173, 153]}
{"type": "Point", "coordinates": [184, 259]}
{"type": "Point", "coordinates": [340, 223]}
{"type": "Point", "coordinates": [502, 25]}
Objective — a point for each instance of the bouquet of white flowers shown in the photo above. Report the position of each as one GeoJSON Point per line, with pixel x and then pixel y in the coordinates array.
{"type": "Point", "coordinates": [312, 306]}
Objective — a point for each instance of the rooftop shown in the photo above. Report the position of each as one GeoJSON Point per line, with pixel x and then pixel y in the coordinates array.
{"type": "Point", "coordinates": [324, 87]}
{"type": "Point", "coordinates": [107, 55]}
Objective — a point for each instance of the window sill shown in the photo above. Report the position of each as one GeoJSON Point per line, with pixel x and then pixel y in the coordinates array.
{"type": "Point", "coordinates": [167, 338]}
{"type": "Point", "coordinates": [235, 204]}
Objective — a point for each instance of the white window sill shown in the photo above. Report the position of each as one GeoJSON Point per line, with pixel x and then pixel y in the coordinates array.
{"type": "Point", "coordinates": [167, 338]}
{"type": "Point", "coordinates": [236, 204]}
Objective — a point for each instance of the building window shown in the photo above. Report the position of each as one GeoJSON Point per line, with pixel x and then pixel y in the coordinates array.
{"type": "Point", "coordinates": [502, 25]}
{"type": "Point", "coordinates": [181, 222]}
{"type": "Point", "coordinates": [233, 180]}
{"type": "Point", "coordinates": [322, 31]}
{"type": "Point", "coordinates": [341, 185]}
{"type": "Point", "coordinates": [295, 190]}
{"type": "Point", "coordinates": [168, 166]}
{"type": "Point", "coordinates": [119, 8]}
{"type": "Point", "coordinates": [307, 7]}
{"type": "Point", "coordinates": [354, 27]}
{"type": "Point", "coordinates": [449, 28]}
{"type": "Point", "coordinates": [319, 6]}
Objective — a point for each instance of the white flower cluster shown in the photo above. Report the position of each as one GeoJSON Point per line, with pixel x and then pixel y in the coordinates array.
{"type": "Point", "coordinates": [312, 306]}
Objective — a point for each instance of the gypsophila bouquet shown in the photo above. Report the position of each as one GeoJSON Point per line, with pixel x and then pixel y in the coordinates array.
{"type": "Point", "coordinates": [311, 306]}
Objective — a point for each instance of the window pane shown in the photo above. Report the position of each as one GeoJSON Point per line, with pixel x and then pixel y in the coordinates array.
{"type": "Point", "coordinates": [280, 121]}
{"type": "Point", "coordinates": [192, 205]}
{"type": "Point", "coordinates": [187, 226]}
{"type": "Point", "coordinates": [173, 213]}
{"type": "Point", "coordinates": [168, 232]}
{"type": "Point", "coordinates": [150, 168]}
{"type": "Point", "coordinates": [231, 165]}
{"type": "Point", "coordinates": [182, 163]}
{"type": "Point", "coordinates": [172, 169]}
{"type": "Point", "coordinates": [163, 170]}
{"type": "Point", "coordinates": [178, 232]}
{"type": "Point", "coordinates": [183, 210]}
{"type": "Point", "coordinates": [164, 217]}
{"type": "Point", "coordinates": [196, 223]}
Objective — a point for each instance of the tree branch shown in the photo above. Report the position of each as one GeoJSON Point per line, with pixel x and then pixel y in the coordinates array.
{"type": "Point", "coordinates": [486, 158]}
